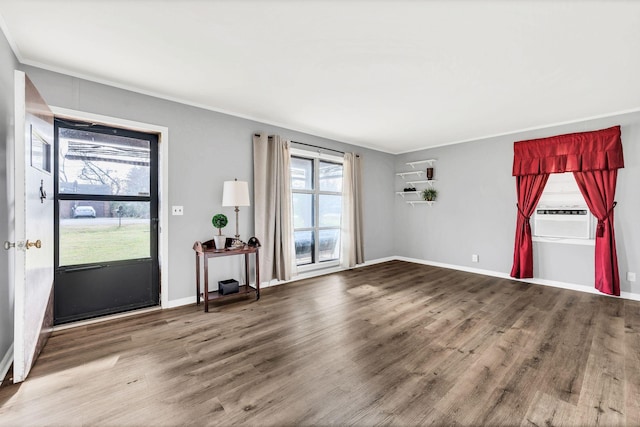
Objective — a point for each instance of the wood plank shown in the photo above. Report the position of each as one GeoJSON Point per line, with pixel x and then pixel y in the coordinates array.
{"type": "Point", "coordinates": [549, 411]}
{"type": "Point", "coordinates": [602, 400]}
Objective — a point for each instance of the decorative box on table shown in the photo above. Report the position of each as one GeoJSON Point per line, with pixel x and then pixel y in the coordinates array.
{"type": "Point", "coordinates": [226, 287]}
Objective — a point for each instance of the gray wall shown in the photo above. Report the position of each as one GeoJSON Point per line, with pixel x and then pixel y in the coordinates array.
{"type": "Point", "coordinates": [8, 64]}
{"type": "Point", "coordinates": [476, 209]}
{"type": "Point", "coordinates": [205, 149]}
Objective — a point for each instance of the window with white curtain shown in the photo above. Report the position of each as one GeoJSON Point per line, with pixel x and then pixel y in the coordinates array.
{"type": "Point", "coordinates": [316, 187]}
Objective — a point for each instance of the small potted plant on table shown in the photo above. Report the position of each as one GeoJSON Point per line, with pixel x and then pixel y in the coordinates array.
{"type": "Point", "coordinates": [219, 221]}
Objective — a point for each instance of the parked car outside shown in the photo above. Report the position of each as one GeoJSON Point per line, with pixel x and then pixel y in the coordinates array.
{"type": "Point", "coordinates": [84, 211]}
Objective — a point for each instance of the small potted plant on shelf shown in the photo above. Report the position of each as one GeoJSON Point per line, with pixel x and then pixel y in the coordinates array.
{"type": "Point", "coordinates": [429, 194]}
{"type": "Point", "coordinates": [219, 221]}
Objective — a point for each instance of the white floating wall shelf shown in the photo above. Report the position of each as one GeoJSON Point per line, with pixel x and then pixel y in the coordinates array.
{"type": "Point", "coordinates": [411, 193]}
{"type": "Point", "coordinates": [419, 162]}
{"type": "Point", "coordinates": [404, 174]}
{"type": "Point", "coordinates": [426, 181]}
{"type": "Point", "coordinates": [420, 202]}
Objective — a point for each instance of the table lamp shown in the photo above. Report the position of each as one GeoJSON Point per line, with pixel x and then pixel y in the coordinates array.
{"type": "Point", "coordinates": [235, 193]}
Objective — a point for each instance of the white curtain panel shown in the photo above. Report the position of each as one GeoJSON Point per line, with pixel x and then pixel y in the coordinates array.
{"type": "Point", "coordinates": [352, 251]}
{"type": "Point", "coordinates": [273, 218]}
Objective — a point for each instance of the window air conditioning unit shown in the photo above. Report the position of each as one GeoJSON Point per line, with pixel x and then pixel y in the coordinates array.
{"type": "Point", "coordinates": [571, 223]}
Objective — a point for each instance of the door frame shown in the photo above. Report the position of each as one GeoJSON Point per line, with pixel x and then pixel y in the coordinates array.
{"type": "Point", "coordinates": [163, 181]}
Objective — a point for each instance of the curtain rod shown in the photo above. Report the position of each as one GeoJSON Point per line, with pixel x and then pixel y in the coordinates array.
{"type": "Point", "coordinates": [317, 146]}
{"type": "Point", "coordinates": [314, 146]}
{"type": "Point", "coordinates": [322, 148]}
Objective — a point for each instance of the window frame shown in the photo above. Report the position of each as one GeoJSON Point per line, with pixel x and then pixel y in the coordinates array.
{"type": "Point", "coordinates": [317, 157]}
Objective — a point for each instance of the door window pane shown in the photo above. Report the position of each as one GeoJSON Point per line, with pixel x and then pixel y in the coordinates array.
{"type": "Point", "coordinates": [330, 177]}
{"type": "Point", "coordinates": [40, 151]}
{"type": "Point", "coordinates": [329, 245]}
{"type": "Point", "coordinates": [302, 210]}
{"type": "Point", "coordinates": [100, 231]}
{"type": "Point", "coordinates": [329, 210]}
{"type": "Point", "coordinates": [95, 163]}
{"type": "Point", "coordinates": [305, 243]}
{"type": "Point", "coordinates": [301, 173]}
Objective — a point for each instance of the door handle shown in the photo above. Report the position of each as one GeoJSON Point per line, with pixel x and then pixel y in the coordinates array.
{"type": "Point", "coordinates": [37, 244]}
{"type": "Point", "coordinates": [74, 269]}
{"type": "Point", "coordinates": [43, 194]}
{"type": "Point", "coordinates": [8, 245]}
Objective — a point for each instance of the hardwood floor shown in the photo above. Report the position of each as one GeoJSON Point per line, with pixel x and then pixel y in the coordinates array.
{"type": "Point", "coordinates": [394, 343]}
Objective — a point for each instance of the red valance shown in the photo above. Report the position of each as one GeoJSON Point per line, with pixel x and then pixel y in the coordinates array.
{"type": "Point", "coordinates": [573, 152]}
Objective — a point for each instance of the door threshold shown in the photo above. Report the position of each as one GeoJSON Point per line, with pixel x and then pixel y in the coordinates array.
{"type": "Point", "coordinates": [105, 318]}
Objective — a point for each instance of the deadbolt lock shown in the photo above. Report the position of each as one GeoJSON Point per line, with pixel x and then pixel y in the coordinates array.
{"type": "Point", "coordinates": [37, 244]}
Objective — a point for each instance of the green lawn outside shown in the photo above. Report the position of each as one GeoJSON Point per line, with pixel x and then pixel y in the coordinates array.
{"type": "Point", "coordinates": [83, 244]}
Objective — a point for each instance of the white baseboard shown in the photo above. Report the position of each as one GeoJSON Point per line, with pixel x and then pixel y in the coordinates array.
{"type": "Point", "coordinates": [302, 276]}
{"type": "Point", "coordinates": [502, 275]}
{"type": "Point", "coordinates": [180, 302]}
{"type": "Point", "coordinates": [323, 272]}
{"type": "Point", "coordinates": [378, 261]}
{"type": "Point", "coordinates": [306, 275]}
{"type": "Point", "coordinates": [6, 362]}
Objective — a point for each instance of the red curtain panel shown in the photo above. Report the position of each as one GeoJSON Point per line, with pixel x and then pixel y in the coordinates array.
{"type": "Point", "coordinates": [529, 188]}
{"type": "Point", "coordinates": [594, 158]}
{"type": "Point", "coordinates": [598, 189]}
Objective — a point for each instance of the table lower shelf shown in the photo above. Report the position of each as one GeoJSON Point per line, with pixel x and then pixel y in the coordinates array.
{"type": "Point", "coordinates": [242, 290]}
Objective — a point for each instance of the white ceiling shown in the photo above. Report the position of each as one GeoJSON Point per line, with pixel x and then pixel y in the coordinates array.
{"type": "Point", "coordinates": [391, 75]}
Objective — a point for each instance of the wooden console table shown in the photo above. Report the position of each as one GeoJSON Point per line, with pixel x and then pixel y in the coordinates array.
{"type": "Point", "coordinates": [207, 250]}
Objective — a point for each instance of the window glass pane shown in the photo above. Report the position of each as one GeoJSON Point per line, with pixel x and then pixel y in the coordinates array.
{"type": "Point", "coordinates": [329, 210]}
{"type": "Point", "coordinates": [330, 177]}
{"type": "Point", "coordinates": [561, 190]}
{"type": "Point", "coordinates": [301, 173]}
{"type": "Point", "coordinates": [94, 163]}
{"type": "Point", "coordinates": [329, 245]}
{"type": "Point", "coordinates": [304, 241]}
{"type": "Point", "coordinates": [99, 231]}
{"type": "Point", "coordinates": [40, 151]}
{"type": "Point", "coordinates": [302, 210]}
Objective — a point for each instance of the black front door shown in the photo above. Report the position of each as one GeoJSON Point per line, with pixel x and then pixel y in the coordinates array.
{"type": "Point", "coordinates": [106, 230]}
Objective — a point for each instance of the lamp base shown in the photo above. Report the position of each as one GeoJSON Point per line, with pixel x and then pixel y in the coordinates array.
{"type": "Point", "coordinates": [237, 224]}
{"type": "Point", "coordinates": [237, 243]}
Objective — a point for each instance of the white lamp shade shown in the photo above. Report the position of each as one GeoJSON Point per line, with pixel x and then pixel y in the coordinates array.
{"type": "Point", "coordinates": [235, 193]}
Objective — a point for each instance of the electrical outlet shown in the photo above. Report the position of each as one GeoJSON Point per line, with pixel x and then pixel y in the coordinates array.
{"type": "Point", "coordinates": [631, 276]}
{"type": "Point", "coordinates": [177, 210]}
{"type": "Point", "coordinates": [475, 258]}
